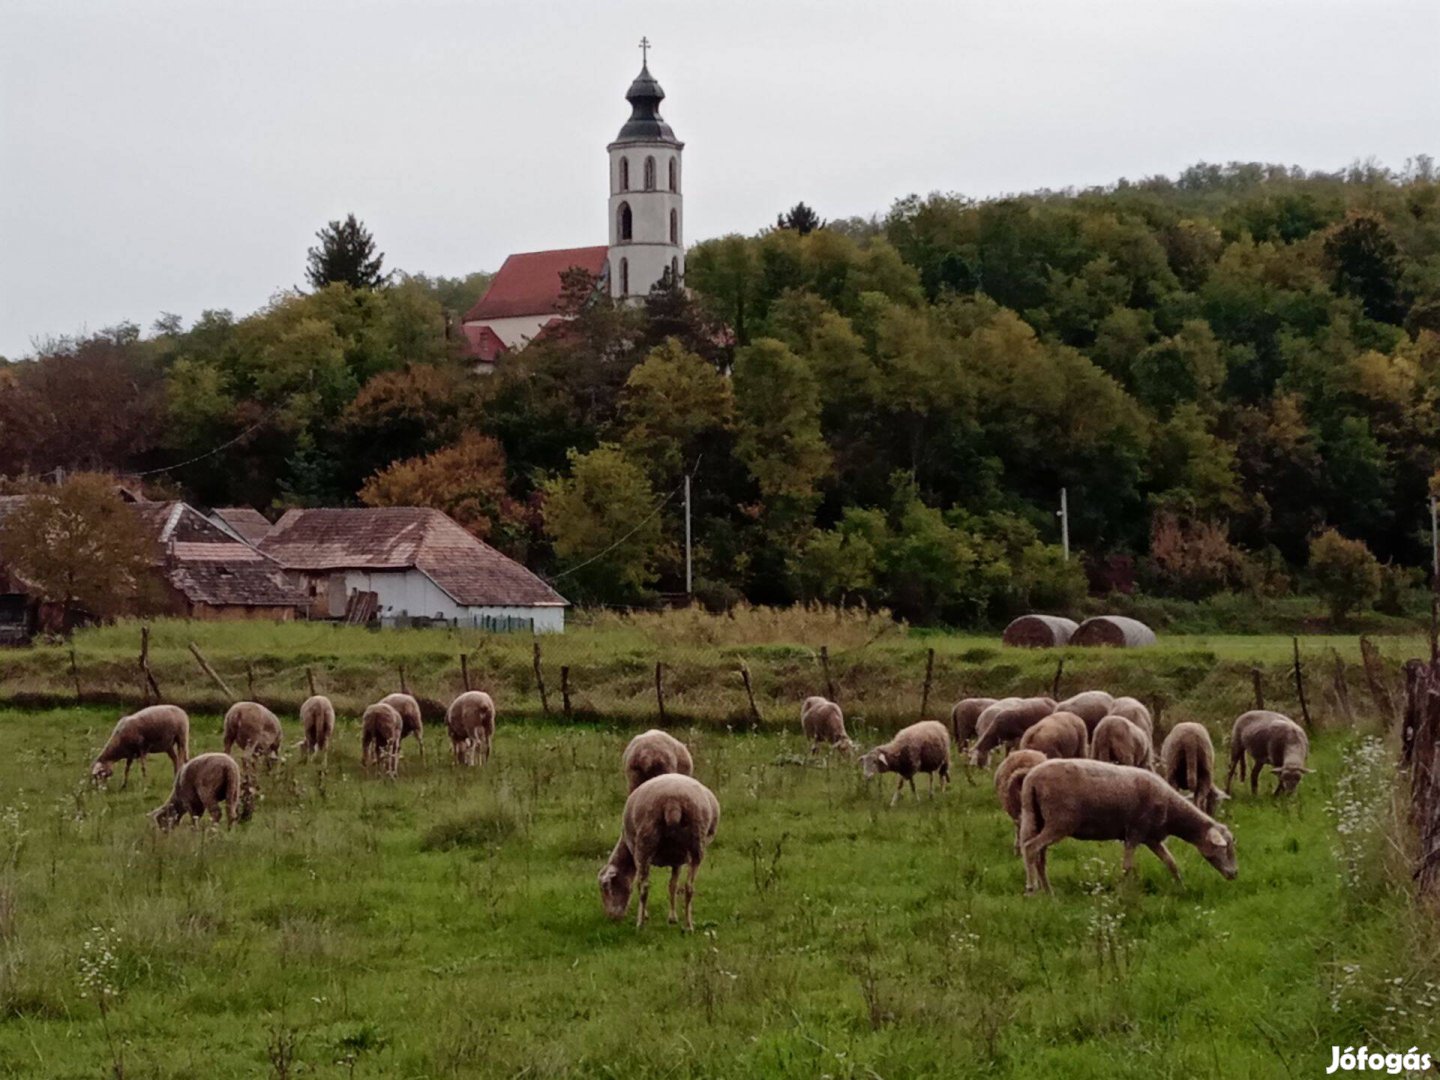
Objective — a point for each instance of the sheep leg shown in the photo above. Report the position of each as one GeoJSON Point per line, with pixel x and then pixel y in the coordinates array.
{"type": "Point", "coordinates": [1255, 777]}
{"type": "Point", "coordinates": [898, 789]}
{"type": "Point", "coordinates": [693, 868]}
{"type": "Point", "coordinates": [674, 880]}
{"type": "Point", "coordinates": [1034, 852]}
{"type": "Point", "coordinates": [1163, 854]}
{"type": "Point", "coordinates": [420, 744]}
{"type": "Point", "coordinates": [143, 774]}
{"type": "Point", "coordinates": [1017, 838]}
{"type": "Point", "coordinates": [913, 789]}
{"type": "Point", "coordinates": [1127, 864]}
{"type": "Point", "coordinates": [126, 781]}
{"type": "Point", "coordinates": [231, 798]}
{"type": "Point", "coordinates": [932, 784]}
{"type": "Point", "coordinates": [643, 873]}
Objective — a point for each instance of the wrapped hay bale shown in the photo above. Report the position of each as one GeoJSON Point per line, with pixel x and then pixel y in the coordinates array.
{"type": "Point", "coordinates": [1039, 631]}
{"type": "Point", "coordinates": [1114, 630]}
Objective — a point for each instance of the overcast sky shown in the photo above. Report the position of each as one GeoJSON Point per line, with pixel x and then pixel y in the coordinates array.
{"type": "Point", "coordinates": [174, 155]}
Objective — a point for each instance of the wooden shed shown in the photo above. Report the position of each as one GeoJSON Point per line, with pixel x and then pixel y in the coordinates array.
{"type": "Point", "coordinates": [1116, 630]}
{"type": "Point", "coordinates": [1039, 631]}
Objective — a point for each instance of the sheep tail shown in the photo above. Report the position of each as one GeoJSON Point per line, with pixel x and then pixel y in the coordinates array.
{"type": "Point", "coordinates": [1192, 772]}
{"type": "Point", "coordinates": [674, 813]}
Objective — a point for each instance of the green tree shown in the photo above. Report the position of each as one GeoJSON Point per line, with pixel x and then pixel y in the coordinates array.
{"type": "Point", "coordinates": [1365, 263]}
{"type": "Point", "coordinates": [801, 219]}
{"type": "Point", "coordinates": [1346, 575]}
{"type": "Point", "coordinates": [777, 402]}
{"type": "Point", "coordinates": [672, 401]}
{"type": "Point", "coordinates": [346, 253]}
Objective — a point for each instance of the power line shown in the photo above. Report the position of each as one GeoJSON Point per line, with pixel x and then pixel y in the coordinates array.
{"type": "Point", "coordinates": [643, 521]}
{"type": "Point", "coordinates": [211, 453]}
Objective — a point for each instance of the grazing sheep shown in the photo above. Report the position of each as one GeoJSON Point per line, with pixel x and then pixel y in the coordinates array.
{"type": "Point", "coordinates": [964, 717]}
{"type": "Point", "coordinates": [1009, 776]}
{"type": "Point", "coordinates": [1271, 739]}
{"type": "Point", "coordinates": [1187, 762]}
{"type": "Point", "coordinates": [202, 785]}
{"type": "Point", "coordinates": [823, 722]}
{"type": "Point", "coordinates": [1005, 722]}
{"type": "Point", "coordinates": [412, 722]}
{"type": "Point", "coordinates": [1059, 735]}
{"type": "Point", "coordinates": [471, 723]}
{"type": "Point", "coordinates": [157, 729]}
{"type": "Point", "coordinates": [1093, 800]}
{"type": "Point", "coordinates": [1122, 742]}
{"type": "Point", "coordinates": [654, 753]}
{"type": "Point", "coordinates": [1134, 710]}
{"type": "Point", "coordinates": [922, 747]}
{"type": "Point", "coordinates": [380, 728]}
{"type": "Point", "coordinates": [1092, 706]}
{"type": "Point", "coordinates": [317, 722]}
{"type": "Point", "coordinates": [668, 821]}
{"type": "Point", "coordinates": [254, 728]}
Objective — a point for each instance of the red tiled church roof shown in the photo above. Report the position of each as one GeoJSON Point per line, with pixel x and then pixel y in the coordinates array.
{"type": "Point", "coordinates": [482, 343]}
{"type": "Point", "coordinates": [529, 283]}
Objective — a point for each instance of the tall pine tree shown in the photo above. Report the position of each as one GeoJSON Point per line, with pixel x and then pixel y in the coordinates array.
{"type": "Point", "coordinates": [346, 253]}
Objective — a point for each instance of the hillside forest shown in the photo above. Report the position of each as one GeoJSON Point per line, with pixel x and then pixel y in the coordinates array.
{"type": "Point", "coordinates": [1233, 373]}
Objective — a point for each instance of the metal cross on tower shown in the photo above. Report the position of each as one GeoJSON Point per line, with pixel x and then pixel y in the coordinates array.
{"type": "Point", "coordinates": [644, 51]}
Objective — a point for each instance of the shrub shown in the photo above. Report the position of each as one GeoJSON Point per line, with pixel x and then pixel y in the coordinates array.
{"type": "Point", "coordinates": [1346, 574]}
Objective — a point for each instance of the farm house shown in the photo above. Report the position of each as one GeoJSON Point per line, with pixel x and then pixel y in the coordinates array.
{"type": "Point", "coordinates": [397, 563]}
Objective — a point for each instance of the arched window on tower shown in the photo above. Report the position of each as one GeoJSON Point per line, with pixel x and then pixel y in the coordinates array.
{"type": "Point", "coordinates": [624, 277]}
{"type": "Point", "coordinates": [649, 174]}
{"type": "Point", "coordinates": [674, 175]}
{"type": "Point", "coordinates": [674, 226]}
{"type": "Point", "coordinates": [624, 174]}
{"type": "Point", "coordinates": [623, 223]}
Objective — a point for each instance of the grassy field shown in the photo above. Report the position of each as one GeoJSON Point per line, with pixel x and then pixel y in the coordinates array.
{"type": "Point", "coordinates": [448, 925]}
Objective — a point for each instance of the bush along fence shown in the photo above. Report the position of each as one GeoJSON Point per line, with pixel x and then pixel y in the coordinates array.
{"type": "Point", "coordinates": [579, 678]}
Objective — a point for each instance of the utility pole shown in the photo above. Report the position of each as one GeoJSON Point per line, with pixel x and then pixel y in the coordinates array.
{"type": "Point", "coordinates": [689, 581]}
{"type": "Point", "coordinates": [1064, 516]}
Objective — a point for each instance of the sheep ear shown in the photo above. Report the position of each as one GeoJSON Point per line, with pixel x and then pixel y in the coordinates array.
{"type": "Point", "coordinates": [1307, 771]}
{"type": "Point", "coordinates": [1221, 796]}
{"type": "Point", "coordinates": [880, 757]}
{"type": "Point", "coordinates": [1216, 837]}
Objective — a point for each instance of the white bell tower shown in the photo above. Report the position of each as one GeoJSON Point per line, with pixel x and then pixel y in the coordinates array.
{"type": "Point", "coordinates": [647, 208]}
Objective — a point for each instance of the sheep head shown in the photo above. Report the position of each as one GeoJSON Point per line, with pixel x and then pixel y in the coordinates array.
{"type": "Point", "coordinates": [616, 883]}
{"type": "Point", "coordinates": [874, 762]}
{"type": "Point", "coordinates": [1290, 777]}
{"type": "Point", "coordinates": [165, 817]}
{"type": "Point", "coordinates": [1217, 844]}
{"type": "Point", "coordinates": [100, 772]}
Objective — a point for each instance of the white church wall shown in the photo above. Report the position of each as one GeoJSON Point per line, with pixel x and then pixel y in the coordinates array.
{"type": "Point", "coordinates": [515, 330]}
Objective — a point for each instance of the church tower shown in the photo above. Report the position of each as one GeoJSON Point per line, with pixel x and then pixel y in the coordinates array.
{"type": "Point", "coordinates": [647, 209]}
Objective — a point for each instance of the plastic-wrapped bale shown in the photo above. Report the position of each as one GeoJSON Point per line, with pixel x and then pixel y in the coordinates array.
{"type": "Point", "coordinates": [1039, 631]}
{"type": "Point", "coordinates": [1113, 630]}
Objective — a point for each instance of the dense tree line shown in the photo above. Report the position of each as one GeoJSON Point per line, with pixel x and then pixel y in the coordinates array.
{"type": "Point", "coordinates": [1220, 368]}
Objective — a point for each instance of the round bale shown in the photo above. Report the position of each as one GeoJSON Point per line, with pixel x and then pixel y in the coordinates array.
{"type": "Point", "coordinates": [1114, 630]}
{"type": "Point", "coordinates": [1039, 631]}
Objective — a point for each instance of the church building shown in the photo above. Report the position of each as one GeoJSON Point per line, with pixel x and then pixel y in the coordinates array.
{"type": "Point", "coordinates": [647, 237]}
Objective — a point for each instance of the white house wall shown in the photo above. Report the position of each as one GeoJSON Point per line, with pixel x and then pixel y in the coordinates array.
{"type": "Point", "coordinates": [412, 593]}
{"type": "Point", "coordinates": [516, 330]}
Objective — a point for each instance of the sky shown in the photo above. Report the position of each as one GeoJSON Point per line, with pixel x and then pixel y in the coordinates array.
{"type": "Point", "coordinates": [169, 156]}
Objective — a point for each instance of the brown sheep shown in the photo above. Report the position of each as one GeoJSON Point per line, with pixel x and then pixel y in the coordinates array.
{"type": "Point", "coordinates": [822, 721]}
{"type": "Point", "coordinates": [1092, 706]}
{"type": "Point", "coordinates": [1187, 762]}
{"type": "Point", "coordinates": [1270, 739]}
{"type": "Point", "coordinates": [963, 718]}
{"type": "Point", "coordinates": [470, 721]}
{"type": "Point", "coordinates": [1134, 710]}
{"type": "Point", "coordinates": [654, 753]}
{"type": "Point", "coordinates": [202, 785]}
{"type": "Point", "coordinates": [669, 821]}
{"type": "Point", "coordinates": [412, 721]}
{"type": "Point", "coordinates": [1093, 800]}
{"type": "Point", "coordinates": [317, 722]}
{"type": "Point", "coordinates": [1122, 742]}
{"type": "Point", "coordinates": [380, 727]}
{"type": "Point", "coordinates": [254, 728]}
{"type": "Point", "coordinates": [157, 729]}
{"type": "Point", "coordinates": [1059, 735]}
{"type": "Point", "coordinates": [922, 747]}
{"type": "Point", "coordinates": [1005, 722]}
{"type": "Point", "coordinates": [1009, 776]}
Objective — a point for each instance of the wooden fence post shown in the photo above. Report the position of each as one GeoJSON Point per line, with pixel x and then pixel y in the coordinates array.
{"type": "Point", "coordinates": [1055, 683]}
{"type": "Point", "coordinates": [540, 681]}
{"type": "Point", "coordinates": [825, 666]}
{"type": "Point", "coordinates": [152, 687]}
{"type": "Point", "coordinates": [75, 675]}
{"type": "Point", "coordinates": [1257, 680]}
{"type": "Point", "coordinates": [565, 688]}
{"type": "Point", "coordinates": [205, 667]}
{"type": "Point", "coordinates": [310, 678]}
{"type": "Point", "coordinates": [749, 693]}
{"type": "Point", "coordinates": [465, 672]}
{"type": "Point", "coordinates": [250, 679]}
{"type": "Point", "coordinates": [1342, 689]}
{"type": "Point", "coordinates": [1375, 679]}
{"type": "Point", "coordinates": [660, 690]}
{"type": "Point", "coordinates": [925, 691]}
{"type": "Point", "coordinates": [404, 689]}
{"type": "Point", "coordinates": [1300, 687]}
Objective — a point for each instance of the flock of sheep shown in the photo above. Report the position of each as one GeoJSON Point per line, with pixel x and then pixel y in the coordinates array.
{"type": "Point", "coordinates": [1082, 768]}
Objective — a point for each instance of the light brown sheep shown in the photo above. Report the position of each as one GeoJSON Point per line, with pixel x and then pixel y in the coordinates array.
{"type": "Point", "coordinates": [317, 722]}
{"type": "Point", "coordinates": [1093, 800]}
{"type": "Point", "coordinates": [1134, 710]}
{"type": "Point", "coordinates": [669, 821]}
{"type": "Point", "coordinates": [254, 728]}
{"type": "Point", "coordinates": [1005, 722]}
{"type": "Point", "coordinates": [654, 753]}
{"type": "Point", "coordinates": [964, 716]}
{"type": "Point", "coordinates": [412, 722]}
{"type": "Point", "coordinates": [1059, 735]}
{"type": "Point", "coordinates": [1187, 762]}
{"type": "Point", "coordinates": [822, 721]}
{"type": "Point", "coordinates": [157, 729]}
{"type": "Point", "coordinates": [922, 747]}
{"type": "Point", "coordinates": [202, 785]}
{"type": "Point", "coordinates": [380, 727]}
{"type": "Point", "coordinates": [1270, 739]}
{"type": "Point", "coordinates": [1121, 741]}
{"type": "Point", "coordinates": [470, 721]}
{"type": "Point", "coordinates": [1009, 775]}
{"type": "Point", "coordinates": [1092, 706]}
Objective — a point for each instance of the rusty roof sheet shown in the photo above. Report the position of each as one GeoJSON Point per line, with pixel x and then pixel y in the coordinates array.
{"type": "Point", "coordinates": [403, 537]}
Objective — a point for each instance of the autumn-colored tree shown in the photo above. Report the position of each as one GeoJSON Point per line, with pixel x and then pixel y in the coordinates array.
{"type": "Point", "coordinates": [466, 481]}
{"type": "Point", "coordinates": [79, 545]}
{"type": "Point", "coordinates": [1346, 575]}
